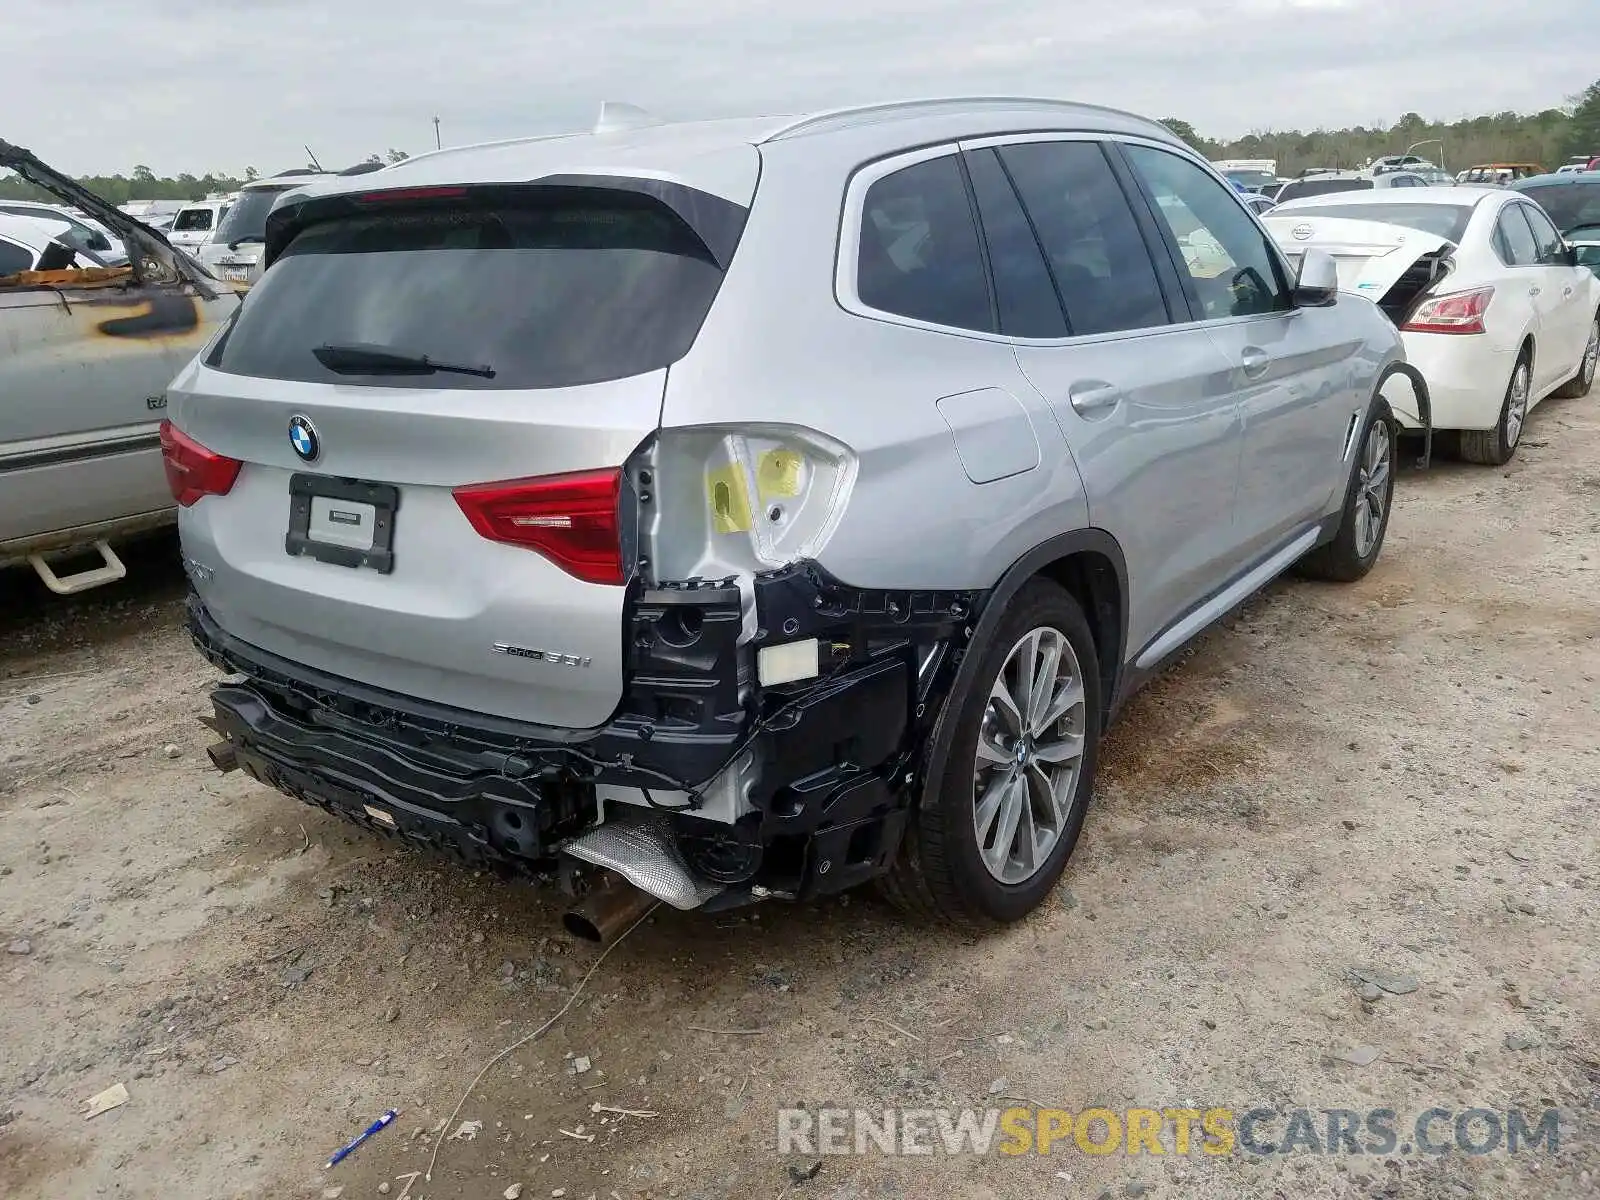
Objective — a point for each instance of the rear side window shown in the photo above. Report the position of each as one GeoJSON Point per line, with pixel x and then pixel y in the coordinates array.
{"type": "Point", "coordinates": [567, 287]}
{"type": "Point", "coordinates": [1101, 264]}
{"type": "Point", "coordinates": [1029, 306]}
{"type": "Point", "coordinates": [1514, 240]}
{"type": "Point", "coordinates": [14, 258]}
{"type": "Point", "coordinates": [246, 220]}
{"type": "Point", "coordinates": [919, 254]}
{"type": "Point", "coordinates": [1552, 248]}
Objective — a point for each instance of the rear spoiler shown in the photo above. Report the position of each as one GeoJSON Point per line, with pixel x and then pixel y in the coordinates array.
{"type": "Point", "coordinates": [717, 222]}
{"type": "Point", "coordinates": [158, 261]}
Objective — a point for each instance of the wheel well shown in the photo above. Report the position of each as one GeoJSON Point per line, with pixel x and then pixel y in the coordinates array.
{"type": "Point", "coordinates": [1526, 350]}
{"type": "Point", "coordinates": [1092, 580]}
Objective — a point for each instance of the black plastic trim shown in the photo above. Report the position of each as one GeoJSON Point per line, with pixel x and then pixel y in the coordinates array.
{"type": "Point", "coordinates": [384, 499]}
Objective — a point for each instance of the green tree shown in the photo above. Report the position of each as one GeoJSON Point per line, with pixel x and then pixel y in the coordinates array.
{"type": "Point", "coordinates": [251, 174]}
{"type": "Point", "coordinates": [1583, 126]}
{"type": "Point", "coordinates": [1186, 131]}
{"type": "Point", "coordinates": [396, 156]}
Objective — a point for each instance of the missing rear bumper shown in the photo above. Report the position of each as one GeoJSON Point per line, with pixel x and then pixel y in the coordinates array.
{"type": "Point", "coordinates": [816, 775]}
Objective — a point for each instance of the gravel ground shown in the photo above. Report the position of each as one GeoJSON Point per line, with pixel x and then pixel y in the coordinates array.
{"type": "Point", "coordinates": [1398, 777]}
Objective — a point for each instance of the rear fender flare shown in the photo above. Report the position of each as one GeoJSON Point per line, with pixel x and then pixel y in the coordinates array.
{"type": "Point", "coordinates": [1030, 565]}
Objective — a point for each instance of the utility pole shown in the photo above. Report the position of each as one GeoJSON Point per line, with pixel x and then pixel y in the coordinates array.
{"type": "Point", "coordinates": [437, 144]}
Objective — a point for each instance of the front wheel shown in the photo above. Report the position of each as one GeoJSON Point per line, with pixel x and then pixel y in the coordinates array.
{"type": "Point", "coordinates": [1368, 499]}
{"type": "Point", "coordinates": [1011, 773]}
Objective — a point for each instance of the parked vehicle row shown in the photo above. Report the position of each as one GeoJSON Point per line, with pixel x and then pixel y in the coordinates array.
{"type": "Point", "coordinates": [1497, 310]}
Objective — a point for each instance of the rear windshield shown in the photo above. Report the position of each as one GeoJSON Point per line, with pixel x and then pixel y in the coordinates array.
{"type": "Point", "coordinates": [192, 218]}
{"type": "Point", "coordinates": [247, 219]}
{"type": "Point", "coordinates": [1448, 221]}
{"type": "Point", "coordinates": [1569, 204]}
{"type": "Point", "coordinates": [1321, 187]}
{"type": "Point", "coordinates": [552, 292]}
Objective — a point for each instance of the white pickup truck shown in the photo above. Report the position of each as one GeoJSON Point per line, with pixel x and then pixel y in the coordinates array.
{"type": "Point", "coordinates": [89, 353]}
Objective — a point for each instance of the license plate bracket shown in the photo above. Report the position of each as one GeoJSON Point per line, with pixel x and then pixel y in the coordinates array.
{"type": "Point", "coordinates": [374, 502]}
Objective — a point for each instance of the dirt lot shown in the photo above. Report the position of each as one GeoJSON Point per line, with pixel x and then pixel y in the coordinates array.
{"type": "Point", "coordinates": [1401, 775]}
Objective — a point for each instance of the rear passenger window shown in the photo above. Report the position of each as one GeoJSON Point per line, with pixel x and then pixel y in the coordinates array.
{"type": "Point", "coordinates": [1026, 297]}
{"type": "Point", "coordinates": [1097, 255]}
{"type": "Point", "coordinates": [1234, 271]}
{"type": "Point", "coordinates": [1552, 249]}
{"type": "Point", "coordinates": [919, 254]}
{"type": "Point", "coordinates": [1515, 239]}
{"type": "Point", "coordinates": [14, 258]}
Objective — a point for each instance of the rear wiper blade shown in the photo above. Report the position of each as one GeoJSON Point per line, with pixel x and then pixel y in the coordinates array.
{"type": "Point", "coordinates": [249, 237]}
{"type": "Point", "coordinates": [361, 358]}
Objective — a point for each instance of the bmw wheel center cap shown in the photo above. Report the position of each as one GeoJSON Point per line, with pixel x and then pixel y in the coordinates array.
{"type": "Point", "coordinates": [303, 438]}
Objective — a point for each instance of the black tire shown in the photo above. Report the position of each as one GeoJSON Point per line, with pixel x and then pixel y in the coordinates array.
{"type": "Point", "coordinates": [939, 872]}
{"type": "Point", "coordinates": [1578, 386]}
{"type": "Point", "coordinates": [1494, 447]}
{"type": "Point", "coordinates": [1343, 560]}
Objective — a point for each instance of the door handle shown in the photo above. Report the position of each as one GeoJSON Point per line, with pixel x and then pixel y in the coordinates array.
{"type": "Point", "coordinates": [1087, 398]}
{"type": "Point", "coordinates": [1255, 361]}
{"type": "Point", "coordinates": [1533, 291]}
{"type": "Point", "coordinates": [1566, 292]}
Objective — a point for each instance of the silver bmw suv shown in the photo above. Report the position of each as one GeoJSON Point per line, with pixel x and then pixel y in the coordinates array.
{"type": "Point", "coordinates": [753, 508]}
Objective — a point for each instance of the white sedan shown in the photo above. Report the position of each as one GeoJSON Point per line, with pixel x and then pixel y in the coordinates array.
{"type": "Point", "coordinates": [1491, 305]}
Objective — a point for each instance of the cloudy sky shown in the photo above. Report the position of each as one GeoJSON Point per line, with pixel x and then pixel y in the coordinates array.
{"type": "Point", "coordinates": [193, 85]}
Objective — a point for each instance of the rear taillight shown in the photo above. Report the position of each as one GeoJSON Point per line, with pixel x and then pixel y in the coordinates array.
{"type": "Point", "coordinates": [193, 471]}
{"type": "Point", "coordinates": [570, 519]}
{"type": "Point", "coordinates": [1459, 312]}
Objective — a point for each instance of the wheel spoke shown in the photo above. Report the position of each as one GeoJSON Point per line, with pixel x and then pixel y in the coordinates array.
{"type": "Point", "coordinates": [1066, 748]}
{"type": "Point", "coordinates": [1378, 479]}
{"type": "Point", "coordinates": [1047, 669]}
{"type": "Point", "coordinates": [989, 807]}
{"type": "Point", "coordinates": [1363, 529]}
{"type": "Point", "coordinates": [1027, 839]}
{"type": "Point", "coordinates": [1011, 798]}
{"type": "Point", "coordinates": [990, 752]}
{"type": "Point", "coordinates": [1027, 660]}
{"type": "Point", "coordinates": [1005, 707]}
{"type": "Point", "coordinates": [1047, 787]}
{"type": "Point", "coordinates": [1068, 697]}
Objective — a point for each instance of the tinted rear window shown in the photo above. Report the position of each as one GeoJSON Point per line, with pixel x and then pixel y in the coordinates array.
{"type": "Point", "coordinates": [248, 217]}
{"type": "Point", "coordinates": [1322, 187]}
{"type": "Point", "coordinates": [192, 219]}
{"type": "Point", "coordinates": [1448, 221]}
{"type": "Point", "coordinates": [554, 291]}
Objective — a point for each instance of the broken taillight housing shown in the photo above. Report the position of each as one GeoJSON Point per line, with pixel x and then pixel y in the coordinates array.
{"type": "Point", "coordinates": [1458, 312]}
{"type": "Point", "coordinates": [572, 520]}
{"type": "Point", "coordinates": [194, 472]}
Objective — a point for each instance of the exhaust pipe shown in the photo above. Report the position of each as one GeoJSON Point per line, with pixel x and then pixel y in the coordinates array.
{"type": "Point", "coordinates": [639, 846]}
{"type": "Point", "coordinates": [223, 756]}
{"type": "Point", "coordinates": [608, 911]}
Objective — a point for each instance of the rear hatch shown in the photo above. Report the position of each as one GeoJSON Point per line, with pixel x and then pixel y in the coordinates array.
{"type": "Point", "coordinates": [1391, 264]}
{"type": "Point", "coordinates": [448, 529]}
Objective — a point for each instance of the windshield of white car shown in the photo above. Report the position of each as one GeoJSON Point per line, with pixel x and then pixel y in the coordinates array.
{"type": "Point", "coordinates": [1448, 221]}
{"type": "Point", "coordinates": [247, 219]}
{"type": "Point", "coordinates": [1569, 205]}
{"type": "Point", "coordinates": [1318, 186]}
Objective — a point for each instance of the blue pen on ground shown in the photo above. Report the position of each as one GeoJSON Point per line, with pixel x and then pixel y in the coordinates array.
{"type": "Point", "coordinates": [345, 1152]}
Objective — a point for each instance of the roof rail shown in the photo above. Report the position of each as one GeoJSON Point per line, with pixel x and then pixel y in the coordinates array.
{"type": "Point", "coordinates": [844, 118]}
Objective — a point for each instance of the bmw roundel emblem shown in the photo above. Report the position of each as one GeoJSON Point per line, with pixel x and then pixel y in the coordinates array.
{"type": "Point", "coordinates": [303, 437]}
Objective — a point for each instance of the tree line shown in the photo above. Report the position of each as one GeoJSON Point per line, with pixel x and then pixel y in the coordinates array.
{"type": "Point", "coordinates": [1548, 138]}
{"type": "Point", "coordinates": [145, 184]}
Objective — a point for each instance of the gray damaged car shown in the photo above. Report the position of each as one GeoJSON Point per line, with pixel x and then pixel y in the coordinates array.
{"type": "Point", "coordinates": [721, 511]}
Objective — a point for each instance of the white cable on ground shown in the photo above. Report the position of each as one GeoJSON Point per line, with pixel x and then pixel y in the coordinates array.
{"type": "Point", "coordinates": [439, 1138]}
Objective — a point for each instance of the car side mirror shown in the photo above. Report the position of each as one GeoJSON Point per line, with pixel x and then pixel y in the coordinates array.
{"type": "Point", "coordinates": [1317, 285]}
{"type": "Point", "coordinates": [1569, 255]}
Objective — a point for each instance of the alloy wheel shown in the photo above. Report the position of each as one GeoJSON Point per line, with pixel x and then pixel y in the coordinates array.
{"type": "Point", "coordinates": [1372, 487]}
{"type": "Point", "coordinates": [1517, 405]}
{"type": "Point", "coordinates": [1029, 756]}
{"type": "Point", "coordinates": [1591, 355]}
